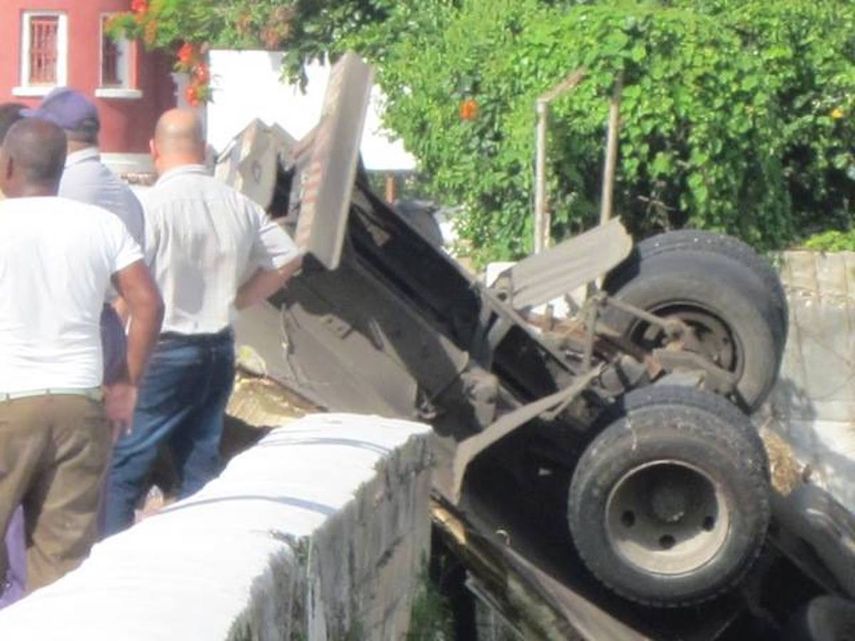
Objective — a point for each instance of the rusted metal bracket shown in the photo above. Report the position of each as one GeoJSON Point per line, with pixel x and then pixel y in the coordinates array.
{"type": "Point", "coordinates": [467, 450]}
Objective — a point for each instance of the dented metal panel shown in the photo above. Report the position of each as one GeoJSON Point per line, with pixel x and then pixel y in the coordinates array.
{"type": "Point", "coordinates": [327, 182]}
{"type": "Point", "coordinates": [542, 277]}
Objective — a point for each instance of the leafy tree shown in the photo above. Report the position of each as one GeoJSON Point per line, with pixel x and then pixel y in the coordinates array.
{"type": "Point", "coordinates": [736, 113]}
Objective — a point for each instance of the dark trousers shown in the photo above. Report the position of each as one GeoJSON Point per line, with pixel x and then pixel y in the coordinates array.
{"type": "Point", "coordinates": [181, 403]}
{"type": "Point", "coordinates": [13, 585]}
{"type": "Point", "coordinates": [114, 346]}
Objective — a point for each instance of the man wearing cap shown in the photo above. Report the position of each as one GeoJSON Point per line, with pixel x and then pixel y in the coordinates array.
{"type": "Point", "coordinates": [57, 258]}
{"type": "Point", "coordinates": [86, 179]}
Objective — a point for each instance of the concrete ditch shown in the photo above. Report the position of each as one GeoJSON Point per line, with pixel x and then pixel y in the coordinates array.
{"type": "Point", "coordinates": [317, 532]}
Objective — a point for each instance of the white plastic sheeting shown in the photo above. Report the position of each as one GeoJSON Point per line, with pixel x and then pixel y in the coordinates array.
{"type": "Point", "coordinates": [226, 562]}
{"type": "Point", "coordinates": [248, 85]}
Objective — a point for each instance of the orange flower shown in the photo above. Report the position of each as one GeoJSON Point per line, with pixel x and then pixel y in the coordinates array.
{"type": "Point", "coordinates": [468, 109]}
{"type": "Point", "coordinates": [139, 6]}
{"type": "Point", "coordinates": [186, 54]}
{"type": "Point", "coordinates": [191, 94]}
{"type": "Point", "coordinates": [201, 73]}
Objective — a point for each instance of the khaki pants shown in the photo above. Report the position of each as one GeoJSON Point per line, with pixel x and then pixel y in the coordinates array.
{"type": "Point", "coordinates": [54, 452]}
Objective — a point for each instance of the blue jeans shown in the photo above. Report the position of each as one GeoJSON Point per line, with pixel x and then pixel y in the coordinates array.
{"type": "Point", "coordinates": [182, 399]}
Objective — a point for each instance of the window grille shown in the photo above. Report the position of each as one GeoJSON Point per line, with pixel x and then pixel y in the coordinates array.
{"type": "Point", "coordinates": [44, 31]}
{"type": "Point", "coordinates": [110, 57]}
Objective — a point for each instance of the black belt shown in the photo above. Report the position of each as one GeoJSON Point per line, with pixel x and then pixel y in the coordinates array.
{"type": "Point", "coordinates": [197, 338]}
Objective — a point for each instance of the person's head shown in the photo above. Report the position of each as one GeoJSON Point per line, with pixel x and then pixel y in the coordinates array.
{"type": "Point", "coordinates": [10, 113]}
{"type": "Point", "coordinates": [32, 159]}
{"type": "Point", "coordinates": [73, 112]}
{"type": "Point", "coordinates": [178, 140]}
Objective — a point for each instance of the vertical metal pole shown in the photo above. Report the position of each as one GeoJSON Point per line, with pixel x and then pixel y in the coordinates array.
{"type": "Point", "coordinates": [540, 233]}
{"type": "Point", "coordinates": [611, 152]}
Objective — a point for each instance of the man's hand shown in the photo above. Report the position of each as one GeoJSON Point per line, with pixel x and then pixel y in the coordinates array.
{"type": "Point", "coordinates": [264, 283]}
{"type": "Point", "coordinates": [120, 400]}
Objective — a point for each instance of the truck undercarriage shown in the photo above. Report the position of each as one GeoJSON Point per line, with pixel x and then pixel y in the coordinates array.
{"type": "Point", "coordinates": [606, 463]}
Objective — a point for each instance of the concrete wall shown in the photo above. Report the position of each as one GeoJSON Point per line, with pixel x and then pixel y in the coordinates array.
{"type": "Point", "coordinates": [318, 532]}
{"type": "Point", "coordinates": [813, 404]}
{"type": "Point", "coordinates": [127, 118]}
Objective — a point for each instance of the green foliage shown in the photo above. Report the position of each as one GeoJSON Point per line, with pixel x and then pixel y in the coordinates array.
{"type": "Point", "coordinates": [430, 617]}
{"type": "Point", "coordinates": [168, 23]}
{"type": "Point", "coordinates": [736, 114]}
{"type": "Point", "coordinates": [832, 241]}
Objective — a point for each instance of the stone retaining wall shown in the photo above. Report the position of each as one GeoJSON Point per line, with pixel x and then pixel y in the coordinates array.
{"type": "Point", "coordinates": [318, 532]}
{"type": "Point", "coordinates": [813, 404]}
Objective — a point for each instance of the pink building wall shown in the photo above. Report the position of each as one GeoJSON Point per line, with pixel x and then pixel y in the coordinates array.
{"type": "Point", "coordinates": [126, 122]}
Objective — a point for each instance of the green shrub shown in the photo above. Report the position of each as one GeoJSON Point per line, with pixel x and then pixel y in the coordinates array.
{"type": "Point", "coordinates": [736, 115]}
{"type": "Point", "coordinates": [832, 241]}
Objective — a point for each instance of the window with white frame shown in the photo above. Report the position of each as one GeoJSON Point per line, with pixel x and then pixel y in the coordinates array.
{"type": "Point", "coordinates": [116, 59]}
{"type": "Point", "coordinates": [44, 52]}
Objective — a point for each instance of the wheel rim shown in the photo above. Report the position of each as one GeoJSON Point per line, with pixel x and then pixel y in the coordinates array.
{"type": "Point", "coordinates": [667, 517]}
{"type": "Point", "coordinates": [715, 340]}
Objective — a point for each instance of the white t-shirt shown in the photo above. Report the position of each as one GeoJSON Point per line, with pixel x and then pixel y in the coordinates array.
{"type": "Point", "coordinates": [56, 259]}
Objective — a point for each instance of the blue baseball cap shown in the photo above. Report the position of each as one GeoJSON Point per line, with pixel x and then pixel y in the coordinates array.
{"type": "Point", "coordinates": [67, 108]}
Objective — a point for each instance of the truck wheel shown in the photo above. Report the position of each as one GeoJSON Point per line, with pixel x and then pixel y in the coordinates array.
{"type": "Point", "coordinates": [669, 504]}
{"type": "Point", "coordinates": [720, 300]}
{"type": "Point", "coordinates": [824, 618]}
{"type": "Point", "coordinates": [698, 240]}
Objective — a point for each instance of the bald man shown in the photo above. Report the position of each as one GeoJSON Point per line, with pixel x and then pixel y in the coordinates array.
{"type": "Point", "coordinates": [211, 250]}
{"type": "Point", "coordinates": [58, 257]}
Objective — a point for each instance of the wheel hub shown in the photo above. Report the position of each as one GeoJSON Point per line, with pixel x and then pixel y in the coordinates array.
{"type": "Point", "coordinates": [667, 517]}
{"type": "Point", "coordinates": [668, 503]}
{"type": "Point", "coordinates": [707, 334]}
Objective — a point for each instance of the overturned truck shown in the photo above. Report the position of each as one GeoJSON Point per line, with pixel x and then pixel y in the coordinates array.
{"type": "Point", "coordinates": [610, 457]}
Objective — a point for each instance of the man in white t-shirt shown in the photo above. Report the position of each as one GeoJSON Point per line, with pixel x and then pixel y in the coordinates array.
{"type": "Point", "coordinates": [58, 257]}
{"type": "Point", "coordinates": [88, 180]}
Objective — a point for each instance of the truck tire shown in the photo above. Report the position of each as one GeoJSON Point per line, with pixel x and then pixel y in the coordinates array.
{"type": "Point", "coordinates": [669, 504]}
{"type": "Point", "coordinates": [824, 618]}
{"type": "Point", "coordinates": [718, 298]}
{"type": "Point", "coordinates": [699, 240]}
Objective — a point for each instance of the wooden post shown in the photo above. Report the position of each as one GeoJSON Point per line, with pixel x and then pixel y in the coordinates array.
{"type": "Point", "coordinates": [542, 218]}
{"type": "Point", "coordinates": [611, 152]}
{"type": "Point", "coordinates": [391, 187]}
{"type": "Point", "coordinates": [541, 231]}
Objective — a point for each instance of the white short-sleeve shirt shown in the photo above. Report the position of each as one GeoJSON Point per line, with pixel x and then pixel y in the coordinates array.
{"type": "Point", "coordinates": [203, 240]}
{"type": "Point", "coordinates": [56, 260]}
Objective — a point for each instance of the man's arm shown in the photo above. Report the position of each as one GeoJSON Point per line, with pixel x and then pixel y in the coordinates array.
{"type": "Point", "coordinates": [265, 282]}
{"type": "Point", "coordinates": [142, 299]}
{"type": "Point", "coordinates": [121, 308]}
